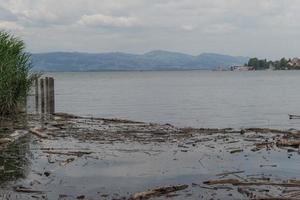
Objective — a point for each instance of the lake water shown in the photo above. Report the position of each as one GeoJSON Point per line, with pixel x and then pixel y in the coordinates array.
{"type": "Point", "coordinates": [184, 98]}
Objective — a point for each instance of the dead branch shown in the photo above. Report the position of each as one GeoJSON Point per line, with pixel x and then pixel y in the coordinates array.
{"type": "Point", "coordinates": [285, 142]}
{"type": "Point", "coordinates": [157, 192]}
{"type": "Point", "coordinates": [238, 182]}
{"type": "Point", "coordinates": [38, 132]}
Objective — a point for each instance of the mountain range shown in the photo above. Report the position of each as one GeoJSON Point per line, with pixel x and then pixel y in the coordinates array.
{"type": "Point", "coordinates": [154, 60]}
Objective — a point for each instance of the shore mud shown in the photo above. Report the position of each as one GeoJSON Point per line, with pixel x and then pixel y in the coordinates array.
{"type": "Point", "coordinates": [68, 157]}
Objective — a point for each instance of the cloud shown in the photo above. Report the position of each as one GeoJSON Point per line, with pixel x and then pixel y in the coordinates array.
{"type": "Point", "coordinates": [222, 28]}
{"type": "Point", "coordinates": [39, 17]}
{"type": "Point", "coordinates": [192, 26]}
{"type": "Point", "coordinates": [10, 26]}
{"type": "Point", "coordinates": [106, 20]}
{"type": "Point", "coordinates": [7, 15]}
{"type": "Point", "coordinates": [188, 27]}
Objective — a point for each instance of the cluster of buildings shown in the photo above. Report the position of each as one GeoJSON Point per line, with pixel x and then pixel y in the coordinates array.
{"type": "Point", "coordinates": [295, 62]}
{"type": "Point", "coordinates": [242, 68]}
{"type": "Point", "coordinates": [289, 64]}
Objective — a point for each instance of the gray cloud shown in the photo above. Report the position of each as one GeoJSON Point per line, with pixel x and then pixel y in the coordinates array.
{"type": "Point", "coordinates": [106, 20]}
{"type": "Point", "coordinates": [6, 15]}
{"type": "Point", "coordinates": [265, 28]}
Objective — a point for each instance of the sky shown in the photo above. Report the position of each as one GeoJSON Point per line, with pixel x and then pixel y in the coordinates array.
{"type": "Point", "coordinates": [260, 28]}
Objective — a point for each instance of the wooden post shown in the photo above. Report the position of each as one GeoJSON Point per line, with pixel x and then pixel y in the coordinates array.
{"type": "Point", "coordinates": [42, 96]}
{"type": "Point", "coordinates": [47, 94]}
{"type": "Point", "coordinates": [52, 95]}
{"type": "Point", "coordinates": [37, 94]}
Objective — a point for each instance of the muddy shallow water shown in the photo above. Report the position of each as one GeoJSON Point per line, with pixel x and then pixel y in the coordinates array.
{"type": "Point", "coordinates": [106, 159]}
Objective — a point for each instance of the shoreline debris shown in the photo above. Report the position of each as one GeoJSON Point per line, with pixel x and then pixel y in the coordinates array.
{"type": "Point", "coordinates": [69, 153]}
{"type": "Point", "coordinates": [294, 116]}
{"type": "Point", "coordinates": [237, 182]}
{"type": "Point", "coordinates": [288, 142]}
{"type": "Point", "coordinates": [84, 143]}
{"type": "Point", "coordinates": [157, 192]}
{"type": "Point", "coordinates": [38, 132]}
{"type": "Point", "coordinates": [17, 134]}
{"type": "Point", "coordinates": [230, 173]}
{"type": "Point", "coordinates": [22, 189]}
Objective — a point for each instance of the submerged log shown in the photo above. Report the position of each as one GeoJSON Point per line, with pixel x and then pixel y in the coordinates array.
{"type": "Point", "coordinates": [286, 142]}
{"type": "Point", "coordinates": [70, 116]}
{"type": "Point", "coordinates": [157, 192]}
{"type": "Point", "coordinates": [238, 182]}
{"type": "Point", "coordinates": [230, 173]}
{"type": "Point", "coordinates": [12, 137]}
{"type": "Point", "coordinates": [294, 116]}
{"type": "Point", "coordinates": [69, 153]}
{"type": "Point", "coordinates": [5, 140]}
{"type": "Point", "coordinates": [276, 198]}
{"type": "Point", "coordinates": [27, 190]}
{"type": "Point", "coordinates": [38, 132]}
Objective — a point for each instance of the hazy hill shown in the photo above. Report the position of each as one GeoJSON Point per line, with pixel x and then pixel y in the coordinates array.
{"type": "Point", "coordinates": [154, 60]}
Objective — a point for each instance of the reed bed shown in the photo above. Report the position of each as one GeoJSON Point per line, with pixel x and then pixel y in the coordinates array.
{"type": "Point", "coordinates": [16, 77]}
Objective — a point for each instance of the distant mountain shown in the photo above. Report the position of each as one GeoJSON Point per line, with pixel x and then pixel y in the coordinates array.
{"type": "Point", "coordinates": [154, 60]}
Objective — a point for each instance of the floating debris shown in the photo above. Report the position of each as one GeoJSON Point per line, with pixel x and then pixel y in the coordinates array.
{"type": "Point", "coordinates": [71, 153]}
{"type": "Point", "coordinates": [158, 192]}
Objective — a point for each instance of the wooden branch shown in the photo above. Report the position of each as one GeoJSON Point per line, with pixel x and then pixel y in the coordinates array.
{"type": "Point", "coordinates": [38, 132]}
{"type": "Point", "coordinates": [238, 182]}
{"type": "Point", "coordinates": [157, 192]}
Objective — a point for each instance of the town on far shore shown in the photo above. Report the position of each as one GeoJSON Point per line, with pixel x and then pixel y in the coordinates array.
{"type": "Point", "coordinates": [263, 64]}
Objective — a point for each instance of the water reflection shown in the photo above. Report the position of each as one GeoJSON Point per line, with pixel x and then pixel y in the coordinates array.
{"type": "Point", "coordinates": [14, 162]}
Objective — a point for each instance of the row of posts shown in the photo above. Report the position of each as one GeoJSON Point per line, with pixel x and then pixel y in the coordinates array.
{"type": "Point", "coordinates": [45, 95]}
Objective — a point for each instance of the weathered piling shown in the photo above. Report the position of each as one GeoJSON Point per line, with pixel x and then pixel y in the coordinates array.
{"type": "Point", "coordinates": [47, 108]}
{"type": "Point", "coordinates": [42, 96]}
{"type": "Point", "coordinates": [36, 94]}
{"type": "Point", "coordinates": [51, 96]}
{"type": "Point", "coordinates": [46, 95]}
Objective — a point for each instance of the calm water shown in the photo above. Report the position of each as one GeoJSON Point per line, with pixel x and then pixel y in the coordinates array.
{"type": "Point", "coordinates": [184, 98]}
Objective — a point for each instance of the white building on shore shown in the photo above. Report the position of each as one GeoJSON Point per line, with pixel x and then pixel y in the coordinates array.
{"type": "Point", "coordinates": [242, 68]}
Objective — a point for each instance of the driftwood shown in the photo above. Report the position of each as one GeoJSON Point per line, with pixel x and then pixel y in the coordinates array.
{"type": "Point", "coordinates": [286, 142]}
{"type": "Point", "coordinates": [222, 181]}
{"type": "Point", "coordinates": [70, 116]}
{"type": "Point", "coordinates": [236, 151]}
{"type": "Point", "coordinates": [277, 198]}
{"type": "Point", "coordinates": [157, 192]}
{"type": "Point", "coordinates": [5, 141]}
{"type": "Point", "coordinates": [238, 182]}
{"type": "Point", "coordinates": [27, 190]}
{"type": "Point", "coordinates": [38, 132]}
{"type": "Point", "coordinates": [66, 115]}
{"type": "Point", "coordinates": [294, 116]}
{"type": "Point", "coordinates": [266, 130]}
{"type": "Point", "coordinates": [12, 137]}
{"type": "Point", "coordinates": [69, 153]}
{"type": "Point", "coordinates": [230, 173]}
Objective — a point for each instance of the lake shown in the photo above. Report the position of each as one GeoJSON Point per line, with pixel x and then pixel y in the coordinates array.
{"type": "Point", "coordinates": [184, 98]}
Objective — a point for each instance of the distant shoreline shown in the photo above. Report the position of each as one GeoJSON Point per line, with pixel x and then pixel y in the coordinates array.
{"type": "Point", "coordinates": [134, 70]}
{"type": "Point", "coordinates": [159, 70]}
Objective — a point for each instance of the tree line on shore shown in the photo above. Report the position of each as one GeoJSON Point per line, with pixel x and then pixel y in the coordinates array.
{"type": "Point", "coordinates": [282, 64]}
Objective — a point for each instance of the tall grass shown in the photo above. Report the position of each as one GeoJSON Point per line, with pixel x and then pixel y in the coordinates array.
{"type": "Point", "coordinates": [15, 76]}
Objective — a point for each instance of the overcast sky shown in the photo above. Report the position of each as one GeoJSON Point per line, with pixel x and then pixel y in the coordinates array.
{"type": "Point", "coordinates": [263, 28]}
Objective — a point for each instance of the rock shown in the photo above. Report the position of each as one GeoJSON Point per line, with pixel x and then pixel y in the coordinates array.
{"type": "Point", "coordinates": [81, 197]}
{"type": "Point", "coordinates": [47, 173]}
